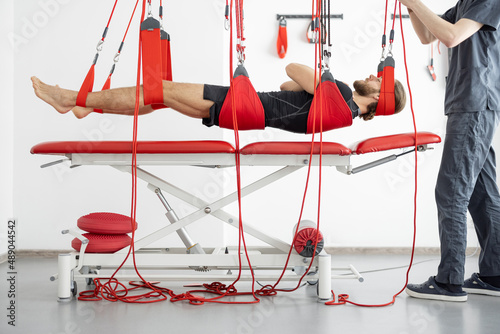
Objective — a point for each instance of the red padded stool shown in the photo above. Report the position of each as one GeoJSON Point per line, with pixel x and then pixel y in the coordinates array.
{"type": "Point", "coordinates": [103, 243]}
{"type": "Point", "coordinates": [106, 223]}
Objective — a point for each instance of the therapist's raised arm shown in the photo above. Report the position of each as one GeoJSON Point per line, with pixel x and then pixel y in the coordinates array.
{"type": "Point", "coordinates": [430, 26]}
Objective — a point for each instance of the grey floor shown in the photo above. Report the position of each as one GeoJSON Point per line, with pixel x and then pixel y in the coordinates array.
{"type": "Point", "coordinates": [38, 311]}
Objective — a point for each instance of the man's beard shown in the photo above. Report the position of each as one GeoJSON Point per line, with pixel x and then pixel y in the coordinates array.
{"type": "Point", "coordinates": [363, 89]}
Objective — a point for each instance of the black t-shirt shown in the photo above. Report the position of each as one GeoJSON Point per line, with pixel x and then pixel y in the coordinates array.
{"type": "Point", "coordinates": [289, 110]}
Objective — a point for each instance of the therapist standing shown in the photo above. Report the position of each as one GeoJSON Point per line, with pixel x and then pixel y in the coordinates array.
{"type": "Point", "coordinates": [467, 176]}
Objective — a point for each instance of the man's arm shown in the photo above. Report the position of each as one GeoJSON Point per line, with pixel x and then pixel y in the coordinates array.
{"type": "Point", "coordinates": [430, 26]}
{"type": "Point", "coordinates": [302, 76]}
{"type": "Point", "coordinates": [291, 86]}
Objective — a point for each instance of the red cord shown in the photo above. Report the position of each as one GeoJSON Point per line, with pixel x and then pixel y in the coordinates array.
{"type": "Point", "coordinates": [108, 290]}
{"type": "Point", "coordinates": [218, 289]}
{"type": "Point", "coordinates": [130, 21]}
{"type": "Point", "coordinates": [395, 12]}
{"type": "Point", "coordinates": [108, 80]}
{"type": "Point", "coordinates": [343, 299]}
{"type": "Point", "coordinates": [385, 20]}
{"type": "Point", "coordinates": [110, 17]}
{"type": "Point", "coordinates": [241, 236]}
{"type": "Point", "coordinates": [272, 289]}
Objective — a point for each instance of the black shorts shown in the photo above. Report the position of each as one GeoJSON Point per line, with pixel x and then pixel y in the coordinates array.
{"type": "Point", "coordinates": [283, 110]}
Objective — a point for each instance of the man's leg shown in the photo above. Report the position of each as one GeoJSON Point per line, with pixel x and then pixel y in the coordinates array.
{"type": "Point", "coordinates": [184, 98]}
{"type": "Point", "coordinates": [466, 147]}
{"type": "Point", "coordinates": [484, 208]}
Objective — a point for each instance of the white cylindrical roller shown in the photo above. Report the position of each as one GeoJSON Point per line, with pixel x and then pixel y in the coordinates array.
{"type": "Point", "coordinates": [64, 283]}
{"type": "Point", "coordinates": [325, 277]}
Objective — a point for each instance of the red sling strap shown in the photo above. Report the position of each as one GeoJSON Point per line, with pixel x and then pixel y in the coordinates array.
{"type": "Point", "coordinates": [87, 86]}
{"type": "Point", "coordinates": [88, 83]}
{"type": "Point", "coordinates": [151, 61]}
{"type": "Point", "coordinates": [166, 64]}
{"type": "Point", "coordinates": [329, 101]}
{"type": "Point", "coordinates": [282, 42]}
{"type": "Point", "coordinates": [387, 100]}
{"type": "Point", "coordinates": [380, 69]}
{"type": "Point", "coordinates": [166, 59]}
{"type": "Point", "coordinates": [249, 109]}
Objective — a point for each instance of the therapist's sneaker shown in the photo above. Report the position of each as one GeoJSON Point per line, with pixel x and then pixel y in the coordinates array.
{"type": "Point", "coordinates": [475, 285]}
{"type": "Point", "coordinates": [430, 290]}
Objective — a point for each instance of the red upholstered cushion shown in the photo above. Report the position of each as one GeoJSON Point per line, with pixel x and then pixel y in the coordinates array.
{"type": "Point", "coordinates": [106, 223]}
{"type": "Point", "coordinates": [125, 147]}
{"type": "Point", "coordinates": [103, 243]}
{"type": "Point", "coordinates": [299, 148]}
{"type": "Point", "coordinates": [395, 141]}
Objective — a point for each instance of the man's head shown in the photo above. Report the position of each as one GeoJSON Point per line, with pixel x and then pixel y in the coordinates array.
{"type": "Point", "coordinates": [370, 88]}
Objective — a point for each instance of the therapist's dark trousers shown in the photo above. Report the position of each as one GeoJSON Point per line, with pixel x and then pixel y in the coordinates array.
{"type": "Point", "coordinates": [467, 180]}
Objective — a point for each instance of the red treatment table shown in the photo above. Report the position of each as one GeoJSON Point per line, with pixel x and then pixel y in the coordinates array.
{"type": "Point", "coordinates": [205, 264]}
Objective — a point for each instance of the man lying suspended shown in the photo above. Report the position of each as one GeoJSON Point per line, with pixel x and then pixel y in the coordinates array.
{"type": "Point", "coordinates": [287, 109]}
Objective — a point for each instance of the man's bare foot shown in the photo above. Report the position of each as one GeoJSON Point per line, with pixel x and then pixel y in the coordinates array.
{"type": "Point", "coordinates": [61, 99]}
{"type": "Point", "coordinates": [81, 112]}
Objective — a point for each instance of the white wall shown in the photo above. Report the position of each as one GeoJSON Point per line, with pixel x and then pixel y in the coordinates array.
{"type": "Point", "coordinates": [53, 46]}
{"type": "Point", "coordinates": [6, 129]}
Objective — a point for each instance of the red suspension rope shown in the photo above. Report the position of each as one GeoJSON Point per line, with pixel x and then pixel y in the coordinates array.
{"type": "Point", "coordinates": [344, 298]}
{"type": "Point", "coordinates": [272, 289]}
{"type": "Point", "coordinates": [110, 288]}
